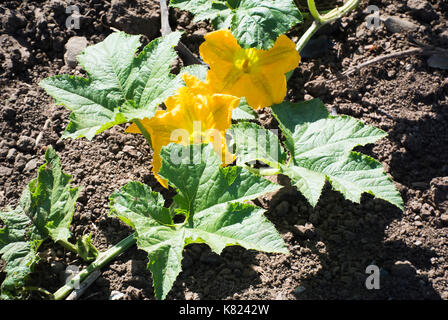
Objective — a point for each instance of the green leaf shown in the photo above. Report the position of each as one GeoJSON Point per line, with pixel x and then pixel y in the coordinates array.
{"type": "Point", "coordinates": [200, 181]}
{"type": "Point", "coordinates": [320, 147]}
{"type": "Point", "coordinates": [211, 198]}
{"type": "Point", "coordinates": [258, 23]}
{"type": "Point", "coordinates": [20, 257]}
{"type": "Point", "coordinates": [197, 70]}
{"type": "Point", "coordinates": [120, 86]}
{"type": "Point", "coordinates": [19, 241]}
{"type": "Point", "coordinates": [216, 11]}
{"type": "Point", "coordinates": [52, 199]}
{"type": "Point", "coordinates": [244, 111]}
{"type": "Point", "coordinates": [254, 142]}
{"type": "Point", "coordinates": [45, 210]}
{"type": "Point", "coordinates": [254, 23]}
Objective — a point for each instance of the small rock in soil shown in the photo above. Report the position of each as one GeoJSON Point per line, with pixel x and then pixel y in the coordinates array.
{"type": "Point", "coordinates": [4, 171]}
{"type": "Point", "coordinates": [116, 295]}
{"type": "Point", "coordinates": [74, 47]}
{"type": "Point", "coordinates": [130, 150]}
{"type": "Point", "coordinates": [444, 219]}
{"type": "Point", "coordinates": [403, 269]}
{"type": "Point", "coordinates": [12, 21]}
{"type": "Point", "coordinates": [439, 187]}
{"type": "Point", "coordinates": [397, 25]}
{"type": "Point", "coordinates": [11, 154]}
{"type": "Point", "coordinates": [31, 165]}
{"type": "Point", "coordinates": [307, 230]}
{"type": "Point", "coordinates": [9, 114]}
{"type": "Point", "coordinates": [422, 10]}
{"type": "Point", "coordinates": [26, 143]}
{"type": "Point", "coordinates": [299, 290]}
{"type": "Point", "coordinates": [438, 61]}
{"type": "Point", "coordinates": [317, 88]}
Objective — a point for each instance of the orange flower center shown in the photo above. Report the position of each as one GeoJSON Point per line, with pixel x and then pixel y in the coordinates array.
{"type": "Point", "coordinates": [246, 59]}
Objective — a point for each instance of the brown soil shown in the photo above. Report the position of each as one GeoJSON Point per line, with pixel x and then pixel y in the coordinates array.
{"type": "Point", "coordinates": [331, 245]}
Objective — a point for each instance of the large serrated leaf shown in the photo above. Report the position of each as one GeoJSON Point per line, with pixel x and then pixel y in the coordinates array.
{"type": "Point", "coordinates": [45, 210]}
{"type": "Point", "coordinates": [209, 196]}
{"type": "Point", "coordinates": [120, 86]}
{"type": "Point", "coordinates": [320, 147]}
{"type": "Point", "coordinates": [201, 182]}
{"type": "Point", "coordinates": [52, 199]}
{"type": "Point", "coordinates": [254, 23]}
{"type": "Point", "coordinates": [258, 23]}
{"type": "Point", "coordinates": [254, 142]}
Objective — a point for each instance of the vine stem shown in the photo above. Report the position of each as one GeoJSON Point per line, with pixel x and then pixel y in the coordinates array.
{"type": "Point", "coordinates": [262, 171]}
{"type": "Point", "coordinates": [143, 130]}
{"type": "Point", "coordinates": [313, 11]}
{"type": "Point", "coordinates": [321, 20]}
{"type": "Point", "coordinates": [67, 245]}
{"type": "Point", "coordinates": [102, 259]}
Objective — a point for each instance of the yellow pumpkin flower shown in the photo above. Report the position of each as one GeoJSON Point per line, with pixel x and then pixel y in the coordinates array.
{"type": "Point", "coordinates": [258, 75]}
{"type": "Point", "coordinates": [194, 114]}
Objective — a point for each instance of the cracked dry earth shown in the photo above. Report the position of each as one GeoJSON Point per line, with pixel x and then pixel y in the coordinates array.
{"type": "Point", "coordinates": [332, 244]}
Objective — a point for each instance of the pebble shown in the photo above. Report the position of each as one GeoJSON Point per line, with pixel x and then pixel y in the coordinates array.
{"type": "Point", "coordinates": [438, 61]}
{"type": "Point", "coordinates": [422, 10]}
{"type": "Point", "coordinates": [130, 150]}
{"type": "Point", "coordinates": [299, 290]}
{"type": "Point", "coordinates": [11, 154]}
{"type": "Point", "coordinates": [9, 114]}
{"type": "Point", "coordinates": [26, 143]}
{"type": "Point", "coordinates": [31, 165]}
{"type": "Point", "coordinates": [74, 46]}
{"type": "Point", "coordinates": [418, 243]}
{"type": "Point", "coordinates": [444, 218]}
{"type": "Point", "coordinates": [403, 269]}
{"type": "Point", "coordinates": [5, 171]}
{"type": "Point", "coordinates": [398, 25]}
{"type": "Point", "coordinates": [116, 295]}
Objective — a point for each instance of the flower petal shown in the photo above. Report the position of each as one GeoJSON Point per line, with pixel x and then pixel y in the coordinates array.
{"type": "Point", "coordinates": [281, 58]}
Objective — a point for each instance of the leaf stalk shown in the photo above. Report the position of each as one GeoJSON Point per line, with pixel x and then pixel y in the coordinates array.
{"type": "Point", "coordinates": [102, 259]}
{"type": "Point", "coordinates": [321, 20]}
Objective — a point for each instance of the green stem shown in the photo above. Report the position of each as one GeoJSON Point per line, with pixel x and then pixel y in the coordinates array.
{"type": "Point", "coordinates": [102, 259]}
{"type": "Point", "coordinates": [67, 245]}
{"type": "Point", "coordinates": [40, 290]}
{"type": "Point", "coordinates": [143, 130]}
{"type": "Point", "coordinates": [321, 20]}
{"type": "Point", "coordinates": [337, 13]}
{"type": "Point", "coordinates": [262, 171]}
{"type": "Point", "coordinates": [307, 35]}
{"type": "Point", "coordinates": [313, 10]}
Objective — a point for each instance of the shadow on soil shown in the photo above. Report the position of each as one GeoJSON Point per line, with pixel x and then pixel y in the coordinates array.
{"type": "Point", "coordinates": [353, 237]}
